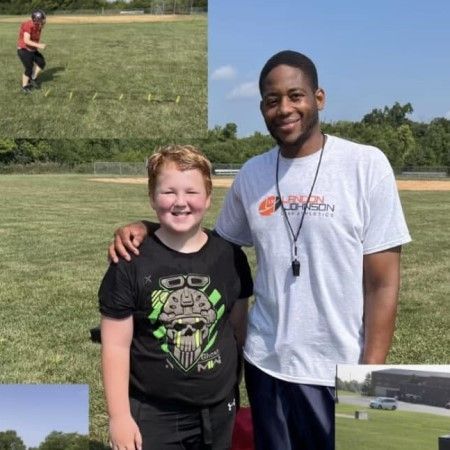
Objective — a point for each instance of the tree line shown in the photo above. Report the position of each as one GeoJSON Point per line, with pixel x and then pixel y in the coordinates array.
{"type": "Point", "coordinates": [49, 6]}
{"type": "Point", "coordinates": [56, 440]}
{"type": "Point", "coordinates": [363, 388]}
{"type": "Point", "coordinates": [407, 144]}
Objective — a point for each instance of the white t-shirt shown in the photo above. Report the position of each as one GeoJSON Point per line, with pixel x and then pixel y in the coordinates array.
{"type": "Point", "coordinates": [301, 327]}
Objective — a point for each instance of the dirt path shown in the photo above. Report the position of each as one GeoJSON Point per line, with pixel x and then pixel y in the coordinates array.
{"type": "Point", "coordinates": [403, 185]}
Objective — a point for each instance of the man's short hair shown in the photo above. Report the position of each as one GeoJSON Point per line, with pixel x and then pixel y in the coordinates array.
{"type": "Point", "coordinates": [293, 59]}
{"type": "Point", "coordinates": [185, 157]}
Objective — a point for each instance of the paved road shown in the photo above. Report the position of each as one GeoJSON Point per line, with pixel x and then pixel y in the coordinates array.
{"type": "Point", "coordinates": [402, 406]}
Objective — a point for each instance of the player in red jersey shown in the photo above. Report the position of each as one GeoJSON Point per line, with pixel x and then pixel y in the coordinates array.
{"type": "Point", "coordinates": [28, 47]}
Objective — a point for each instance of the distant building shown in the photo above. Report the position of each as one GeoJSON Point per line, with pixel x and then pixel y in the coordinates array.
{"type": "Point", "coordinates": [417, 386]}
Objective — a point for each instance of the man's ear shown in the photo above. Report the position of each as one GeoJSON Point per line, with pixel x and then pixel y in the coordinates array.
{"type": "Point", "coordinates": [320, 98]}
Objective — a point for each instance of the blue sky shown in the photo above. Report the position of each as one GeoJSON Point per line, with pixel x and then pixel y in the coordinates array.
{"type": "Point", "coordinates": [368, 55]}
{"type": "Point", "coordinates": [35, 410]}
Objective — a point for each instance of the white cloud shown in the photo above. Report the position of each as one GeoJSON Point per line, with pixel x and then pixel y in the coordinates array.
{"type": "Point", "coordinates": [244, 90]}
{"type": "Point", "coordinates": [224, 73]}
{"type": "Point", "coordinates": [447, 115]}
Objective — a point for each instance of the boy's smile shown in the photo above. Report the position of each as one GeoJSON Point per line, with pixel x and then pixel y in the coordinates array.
{"type": "Point", "coordinates": [180, 200]}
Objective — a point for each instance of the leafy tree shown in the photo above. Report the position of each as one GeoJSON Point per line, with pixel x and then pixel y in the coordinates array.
{"type": "Point", "coordinates": [367, 385]}
{"type": "Point", "coordinates": [9, 440]}
{"type": "Point", "coordinates": [436, 142]}
{"type": "Point", "coordinates": [407, 149]}
{"type": "Point", "coordinates": [394, 116]}
{"type": "Point", "coordinates": [7, 149]}
{"type": "Point", "coordinates": [57, 440]}
{"type": "Point", "coordinates": [229, 131]}
{"type": "Point", "coordinates": [219, 133]}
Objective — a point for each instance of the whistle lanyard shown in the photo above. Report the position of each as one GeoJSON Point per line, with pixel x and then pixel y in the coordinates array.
{"type": "Point", "coordinates": [296, 262]}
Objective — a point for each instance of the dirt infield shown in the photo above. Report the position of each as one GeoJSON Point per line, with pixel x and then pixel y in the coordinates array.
{"type": "Point", "coordinates": [403, 185]}
{"type": "Point", "coordinates": [423, 185]}
{"type": "Point", "coordinates": [119, 18]}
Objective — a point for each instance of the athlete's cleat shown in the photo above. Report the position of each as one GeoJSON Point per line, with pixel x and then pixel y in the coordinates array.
{"type": "Point", "coordinates": [26, 89]}
{"type": "Point", "coordinates": [34, 84]}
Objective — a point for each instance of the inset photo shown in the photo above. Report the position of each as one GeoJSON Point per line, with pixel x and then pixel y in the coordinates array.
{"type": "Point", "coordinates": [393, 406]}
{"type": "Point", "coordinates": [44, 416]}
{"type": "Point", "coordinates": [124, 69]}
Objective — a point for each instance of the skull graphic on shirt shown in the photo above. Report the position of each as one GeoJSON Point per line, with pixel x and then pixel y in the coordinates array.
{"type": "Point", "coordinates": [187, 316]}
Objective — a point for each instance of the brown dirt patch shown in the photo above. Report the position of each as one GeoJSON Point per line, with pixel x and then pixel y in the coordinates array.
{"type": "Point", "coordinates": [403, 185]}
{"type": "Point", "coordinates": [423, 185]}
{"type": "Point", "coordinates": [119, 18]}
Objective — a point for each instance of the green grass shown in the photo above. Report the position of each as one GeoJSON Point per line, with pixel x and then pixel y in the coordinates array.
{"type": "Point", "coordinates": [118, 64]}
{"type": "Point", "coordinates": [393, 430]}
{"type": "Point", "coordinates": [423, 326]}
{"type": "Point", "coordinates": [54, 230]}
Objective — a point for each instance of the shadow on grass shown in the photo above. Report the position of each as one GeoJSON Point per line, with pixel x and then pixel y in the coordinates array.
{"type": "Point", "coordinates": [95, 445]}
{"type": "Point", "coordinates": [51, 74]}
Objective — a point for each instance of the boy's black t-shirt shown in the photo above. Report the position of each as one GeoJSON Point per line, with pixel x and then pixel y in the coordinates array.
{"type": "Point", "coordinates": [183, 346]}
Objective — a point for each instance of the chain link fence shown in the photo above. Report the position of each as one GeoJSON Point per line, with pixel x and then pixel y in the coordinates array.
{"type": "Point", "coordinates": [158, 7]}
{"type": "Point", "coordinates": [132, 169]}
{"type": "Point", "coordinates": [421, 172]}
{"type": "Point", "coordinates": [120, 168]}
{"type": "Point", "coordinates": [139, 169]}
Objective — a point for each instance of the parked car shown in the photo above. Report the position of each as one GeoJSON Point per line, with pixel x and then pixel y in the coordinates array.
{"type": "Point", "coordinates": [447, 405]}
{"type": "Point", "coordinates": [384, 403]}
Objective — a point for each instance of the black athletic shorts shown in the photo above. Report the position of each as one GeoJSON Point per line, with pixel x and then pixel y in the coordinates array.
{"type": "Point", "coordinates": [29, 58]}
{"type": "Point", "coordinates": [171, 427]}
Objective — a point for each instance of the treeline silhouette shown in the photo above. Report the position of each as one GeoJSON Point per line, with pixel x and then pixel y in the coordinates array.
{"type": "Point", "coordinates": [56, 440]}
{"type": "Point", "coordinates": [49, 6]}
{"type": "Point", "coordinates": [406, 143]}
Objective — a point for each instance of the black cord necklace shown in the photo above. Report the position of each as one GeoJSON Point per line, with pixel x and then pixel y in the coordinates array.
{"type": "Point", "coordinates": [296, 262]}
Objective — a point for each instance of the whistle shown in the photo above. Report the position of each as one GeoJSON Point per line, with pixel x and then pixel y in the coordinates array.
{"type": "Point", "coordinates": [296, 268]}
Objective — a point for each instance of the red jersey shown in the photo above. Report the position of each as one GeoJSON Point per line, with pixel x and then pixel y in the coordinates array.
{"type": "Point", "coordinates": [34, 30]}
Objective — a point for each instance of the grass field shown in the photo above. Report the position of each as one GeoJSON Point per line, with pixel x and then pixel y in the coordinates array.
{"type": "Point", "coordinates": [393, 430]}
{"type": "Point", "coordinates": [54, 231]}
{"type": "Point", "coordinates": [109, 80]}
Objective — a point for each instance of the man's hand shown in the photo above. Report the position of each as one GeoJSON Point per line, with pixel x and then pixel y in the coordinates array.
{"type": "Point", "coordinates": [42, 46]}
{"type": "Point", "coordinates": [124, 433]}
{"type": "Point", "coordinates": [127, 239]}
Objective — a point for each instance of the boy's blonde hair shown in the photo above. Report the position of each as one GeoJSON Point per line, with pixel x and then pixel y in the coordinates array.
{"type": "Point", "coordinates": [185, 157]}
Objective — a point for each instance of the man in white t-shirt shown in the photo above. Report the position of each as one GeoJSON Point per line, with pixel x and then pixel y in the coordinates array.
{"type": "Point", "coordinates": [326, 221]}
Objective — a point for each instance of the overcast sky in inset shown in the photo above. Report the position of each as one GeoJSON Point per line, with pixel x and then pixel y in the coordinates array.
{"type": "Point", "coordinates": [348, 372]}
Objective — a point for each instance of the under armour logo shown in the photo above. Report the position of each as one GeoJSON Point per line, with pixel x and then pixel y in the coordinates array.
{"type": "Point", "coordinates": [148, 280]}
{"type": "Point", "coordinates": [231, 404]}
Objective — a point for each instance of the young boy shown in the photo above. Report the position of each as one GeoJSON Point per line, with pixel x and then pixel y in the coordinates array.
{"type": "Point", "coordinates": [28, 47]}
{"type": "Point", "coordinates": [173, 320]}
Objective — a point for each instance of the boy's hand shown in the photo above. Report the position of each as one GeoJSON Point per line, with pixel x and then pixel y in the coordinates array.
{"type": "Point", "coordinates": [124, 433]}
{"type": "Point", "coordinates": [127, 239]}
{"type": "Point", "coordinates": [42, 46]}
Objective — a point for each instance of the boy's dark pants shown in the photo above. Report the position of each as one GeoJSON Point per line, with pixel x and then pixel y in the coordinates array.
{"type": "Point", "coordinates": [29, 59]}
{"type": "Point", "coordinates": [171, 427]}
{"type": "Point", "coordinates": [289, 416]}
